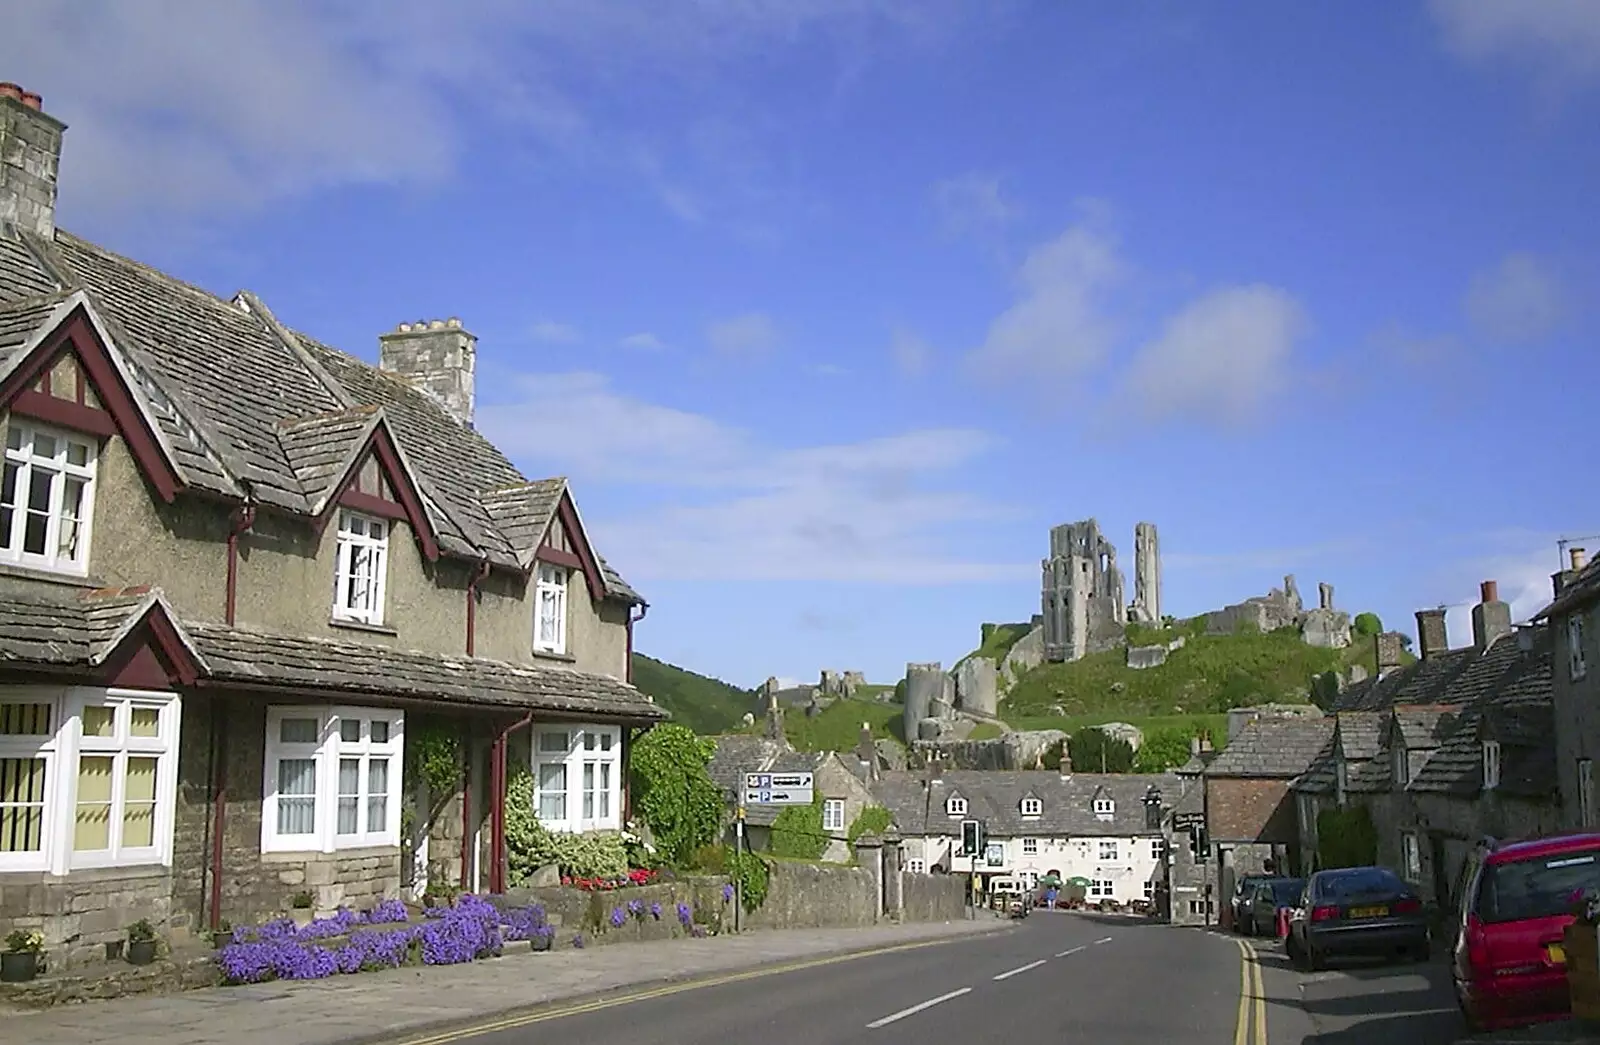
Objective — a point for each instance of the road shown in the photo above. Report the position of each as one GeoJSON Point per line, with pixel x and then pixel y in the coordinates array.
{"type": "Point", "coordinates": [1056, 977]}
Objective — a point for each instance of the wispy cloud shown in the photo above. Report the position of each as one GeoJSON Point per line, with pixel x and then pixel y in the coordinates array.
{"type": "Point", "coordinates": [644, 341]}
{"type": "Point", "coordinates": [748, 336]}
{"type": "Point", "coordinates": [972, 204]}
{"type": "Point", "coordinates": [1519, 301]}
{"type": "Point", "coordinates": [554, 333]}
{"type": "Point", "coordinates": [1559, 40]}
{"type": "Point", "coordinates": [910, 353]}
{"type": "Point", "coordinates": [730, 507]}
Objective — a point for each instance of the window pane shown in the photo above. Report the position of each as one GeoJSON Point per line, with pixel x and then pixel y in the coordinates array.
{"type": "Point", "coordinates": [145, 722]}
{"type": "Point", "coordinates": [139, 803]}
{"type": "Point", "coordinates": [591, 740]}
{"type": "Point", "coordinates": [377, 795]}
{"type": "Point", "coordinates": [605, 789]}
{"type": "Point", "coordinates": [605, 741]}
{"type": "Point", "coordinates": [380, 731]}
{"type": "Point", "coordinates": [297, 731]}
{"type": "Point", "coordinates": [588, 790]}
{"type": "Point", "coordinates": [350, 730]}
{"type": "Point", "coordinates": [297, 796]}
{"type": "Point", "coordinates": [375, 529]}
{"type": "Point", "coordinates": [8, 502]}
{"type": "Point", "coordinates": [349, 795]}
{"type": "Point", "coordinates": [44, 445]}
{"type": "Point", "coordinates": [553, 743]}
{"type": "Point", "coordinates": [92, 830]}
{"type": "Point", "coordinates": [71, 530]}
{"type": "Point", "coordinates": [99, 721]}
{"type": "Point", "coordinates": [77, 454]}
{"type": "Point", "coordinates": [25, 720]}
{"type": "Point", "coordinates": [38, 515]}
{"type": "Point", "coordinates": [552, 791]}
{"type": "Point", "coordinates": [14, 437]}
{"type": "Point", "coordinates": [21, 803]}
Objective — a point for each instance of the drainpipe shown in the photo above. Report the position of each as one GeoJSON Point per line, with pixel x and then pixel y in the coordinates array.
{"type": "Point", "coordinates": [239, 523]}
{"type": "Point", "coordinates": [478, 575]}
{"type": "Point", "coordinates": [644, 609]}
{"type": "Point", "coordinates": [497, 799]}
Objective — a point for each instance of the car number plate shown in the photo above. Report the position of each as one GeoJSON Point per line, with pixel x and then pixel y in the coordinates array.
{"type": "Point", "coordinates": [1557, 953]}
{"type": "Point", "coordinates": [1368, 912]}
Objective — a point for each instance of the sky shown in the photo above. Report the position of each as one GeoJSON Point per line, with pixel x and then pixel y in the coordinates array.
{"type": "Point", "coordinates": [830, 309]}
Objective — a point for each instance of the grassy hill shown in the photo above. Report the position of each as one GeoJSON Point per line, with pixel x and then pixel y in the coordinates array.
{"type": "Point", "coordinates": [838, 726]}
{"type": "Point", "coordinates": [1209, 675]}
{"type": "Point", "coordinates": [705, 705]}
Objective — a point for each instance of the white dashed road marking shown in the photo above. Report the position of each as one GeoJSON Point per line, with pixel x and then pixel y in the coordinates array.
{"type": "Point", "coordinates": [1074, 950]}
{"type": "Point", "coordinates": [1106, 940]}
{"type": "Point", "coordinates": [1024, 968]}
{"type": "Point", "coordinates": [930, 1003]}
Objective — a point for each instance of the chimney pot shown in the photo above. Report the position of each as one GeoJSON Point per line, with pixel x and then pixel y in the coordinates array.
{"type": "Point", "coordinates": [435, 359]}
{"type": "Point", "coordinates": [10, 90]}
{"type": "Point", "coordinates": [1491, 618]}
{"type": "Point", "coordinates": [33, 101]}
{"type": "Point", "coordinates": [453, 323]}
{"type": "Point", "coordinates": [1576, 557]}
{"type": "Point", "coordinates": [1489, 591]}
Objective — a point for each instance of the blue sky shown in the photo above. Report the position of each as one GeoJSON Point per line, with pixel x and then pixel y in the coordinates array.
{"type": "Point", "coordinates": [831, 309]}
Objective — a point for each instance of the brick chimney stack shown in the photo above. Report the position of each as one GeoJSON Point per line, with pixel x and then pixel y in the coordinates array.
{"type": "Point", "coordinates": [1491, 618]}
{"type": "Point", "coordinates": [1387, 650]}
{"type": "Point", "coordinates": [438, 357]}
{"type": "Point", "coordinates": [1432, 636]}
{"type": "Point", "coordinates": [30, 158]}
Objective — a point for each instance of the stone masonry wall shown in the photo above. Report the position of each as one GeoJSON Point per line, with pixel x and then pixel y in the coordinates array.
{"type": "Point", "coordinates": [814, 896]}
{"type": "Point", "coordinates": [1250, 811]}
{"type": "Point", "coordinates": [80, 914]}
{"type": "Point", "coordinates": [933, 897]}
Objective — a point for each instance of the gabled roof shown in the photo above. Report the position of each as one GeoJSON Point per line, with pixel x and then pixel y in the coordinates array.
{"type": "Point", "coordinates": [1579, 591]}
{"type": "Point", "coordinates": [1424, 681]}
{"type": "Point", "coordinates": [322, 449]}
{"type": "Point", "coordinates": [1273, 748]}
{"type": "Point", "coordinates": [741, 753]}
{"type": "Point", "coordinates": [1423, 728]}
{"type": "Point", "coordinates": [995, 796]}
{"type": "Point", "coordinates": [217, 378]}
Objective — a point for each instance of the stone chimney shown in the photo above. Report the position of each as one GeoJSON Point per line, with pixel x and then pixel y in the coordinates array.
{"type": "Point", "coordinates": [1387, 649]}
{"type": "Point", "coordinates": [1491, 618]}
{"type": "Point", "coordinates": [1561, 578]}
{"type": "Point", "coordinates": [439, 358]}
{"type": "Point", "coordinates": [30, 158]}
{"type": "Point", "coordinates": [1432, 636]}
{"type": "Point", "coordinates": [1194, 747]}
{"type": "Point", "coordinates": [867, 750]}
{"type": "Point", "coordinates": [774, 718]}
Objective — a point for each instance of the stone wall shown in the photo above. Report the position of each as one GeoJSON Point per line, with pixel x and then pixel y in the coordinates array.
{"type": "Point", "coordinates": [79, 914]}
{"type": "Point", "coordinates": [1020, 750]}
{"type": "Point", "coordinates": [817, 896]}
{"type": "Point", "coordinates": [933, 897]}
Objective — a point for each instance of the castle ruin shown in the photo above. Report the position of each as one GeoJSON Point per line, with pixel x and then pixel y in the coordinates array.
{"type": "Point", "coordinates": [1083, 589]}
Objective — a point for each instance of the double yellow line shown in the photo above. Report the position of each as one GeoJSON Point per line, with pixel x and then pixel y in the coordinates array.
{"type": "Point", "coordinates": [1250, 989]}
{"type": "Point", "coordinates": [558, 1011]}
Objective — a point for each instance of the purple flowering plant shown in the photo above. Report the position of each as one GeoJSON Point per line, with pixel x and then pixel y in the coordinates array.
{"type": "Point", "coordinates": [685, 915]}
{"type": "Point", "coordinates": [727, 892]}
{"type": "Point", "coordinates": [618, 917]}
{"type": "Point", "coordinates": [655, 911]}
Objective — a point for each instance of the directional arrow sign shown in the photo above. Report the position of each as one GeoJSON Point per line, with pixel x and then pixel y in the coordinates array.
{"type": "Point", "coordinates": [790, 796]}
{"type": "Point", "coordinates": [792, 780]}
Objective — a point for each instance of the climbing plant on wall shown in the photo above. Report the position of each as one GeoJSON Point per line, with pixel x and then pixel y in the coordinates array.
{"type": "Point", "coordinates": [797, 832]}
{"type": "Point", "coordinates": [1346, 838]}
{"type": "Point", "coordinates": [672, 791]}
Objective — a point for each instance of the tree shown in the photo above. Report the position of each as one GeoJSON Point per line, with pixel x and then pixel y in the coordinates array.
{"type": "Point", "coordinates": [673, 792]}
{"type": "Point", "coordinates": [1093, 750]}
{"type": "Point", "coordinates": [1162, 750]}
{"type": "Point", "coordinates": [1367, 624]}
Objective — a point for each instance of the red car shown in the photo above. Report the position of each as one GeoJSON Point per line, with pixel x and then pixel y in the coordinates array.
{"type": "Point", "coordinates": [1509, 965]}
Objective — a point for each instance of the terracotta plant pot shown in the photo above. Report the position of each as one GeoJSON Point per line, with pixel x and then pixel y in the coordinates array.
{"type": "Point", "coordinates": [18, 966]}
{"type": "Point", "coordinates": [141, 952]}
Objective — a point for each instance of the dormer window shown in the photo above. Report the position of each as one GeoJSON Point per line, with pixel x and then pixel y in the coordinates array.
{"type": "Point", "coordinates": [1577, 667]}
{"type": "Point", "coordinates": [46, 498]}
{"type": "Point", "coordinates": [1104, 808]}
{"type": "Point", "coordinates": [955, 805]}
{"type": "Point", "coordinates": [550, 623]}
{"type": "Point", "coordinates": [1032, 808]}
{"type": "Point", "coordinates": [1400, 765]}
{"type": "Point", "coordinates": [1491, 764]}
{"type": "Point", "coordinates": [362, 565]}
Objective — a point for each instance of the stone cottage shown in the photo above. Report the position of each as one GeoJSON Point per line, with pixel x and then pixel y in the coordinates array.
{"type": "Point", "coordinates": [1575, 631]}
{"type": "Point", "coordinates": [244, 576]}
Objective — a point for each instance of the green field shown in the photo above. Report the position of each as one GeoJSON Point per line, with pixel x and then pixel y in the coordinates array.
{"type": "Point", "coordinates": [838, 726]}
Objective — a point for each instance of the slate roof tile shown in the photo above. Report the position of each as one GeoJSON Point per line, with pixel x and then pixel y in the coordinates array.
{"type": "Point", "coordinates": [1579, 591]}
{"type": "Point", "coordinates": [320, 448]}
{"type": "Point", "coordinates": [1273, 748]}
{"type": "Point", "coordinates": [995, 796]}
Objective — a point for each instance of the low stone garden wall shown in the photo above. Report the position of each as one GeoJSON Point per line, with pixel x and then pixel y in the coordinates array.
{"type": "Point", "coordinates": [817, 896]}
{"type": "Point", "coordinates": [933, 897]}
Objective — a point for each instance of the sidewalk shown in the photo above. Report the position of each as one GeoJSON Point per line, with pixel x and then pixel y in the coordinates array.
{"type": "Point", "coordinates": [381, 1005]}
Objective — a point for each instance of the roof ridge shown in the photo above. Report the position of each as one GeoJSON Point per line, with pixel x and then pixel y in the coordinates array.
{"type": "Point", "coordinates": [294, 424]}
{"type": "Point", "coordinates": [150, 271]}
{"type": "Point", "coordinates": [254, 306]}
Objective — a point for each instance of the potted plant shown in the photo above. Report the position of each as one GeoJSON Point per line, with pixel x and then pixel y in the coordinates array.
{"type": "Point", "coordinates": [19, 962]}
{"type": "Point", "coordinates": [542, 937]}
{"type": "Point", "coordinates": [222, 935]}
{"type": "Point", "coordinates": [300, 908]}
{"type": "Point", "coordinates": [141, 942]}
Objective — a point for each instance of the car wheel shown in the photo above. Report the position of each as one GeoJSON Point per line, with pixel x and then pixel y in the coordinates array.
{"type": "Point", "coordinates": [1315, 961]}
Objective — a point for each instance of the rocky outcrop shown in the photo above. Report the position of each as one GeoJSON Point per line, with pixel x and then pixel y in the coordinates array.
{"type": "Point", "coordinates": [978, 686]}
{"type": "Point", "coordinates": [1021, 750]}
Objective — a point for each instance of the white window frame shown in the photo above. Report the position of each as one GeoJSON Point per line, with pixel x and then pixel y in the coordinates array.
{"type": "Point", "coordinates": [1157, 848]}
{"type": "Point", "coordinates": [833, 814]}
{"type": "Point", "coordinates": [1577, 663]}
{"type": "Point", "coordinates": [914, 865]}
{"type": "Point", "coordinates": [550, 586]}
{"type": "Point", "coordinates": [23, 460]}
{"type": "Point", "coordinates": [1030, 847]}
{"type": "Point", "coordinates": [1411, 856]}
{"type": "Point", "coordinates": [1149, 889]}
{"type": "Point", "coordinates": [1108, 850]}
{"type": "Point", "coordinates": [1105, 808]}
{"type": "Point", "coordinates": [1585, 792]}
{"type": "Point", "coordinates": [60, 750]}
{"type": "Point", "coordinates": [355, 535]}
{"type": "Point", "coordinates": [1102, 889]}
{"type": "Point", "coordinates": [955, 805]}
{"type": "Point", "coordinates": [1400, 766]}
{"type": "Point", "coordinates": [1491, 764]}
{"type": "Point", "coordinates": [593, 754]}
{"type": "Point", "coordinates": [1032, 808]}
{"type": "Point", "coordinates": [327, 751]}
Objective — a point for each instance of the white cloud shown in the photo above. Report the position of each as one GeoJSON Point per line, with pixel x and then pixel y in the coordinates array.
{"type": "Point", "coordinates": [1057, 327]}
{"type": "Point", "coordinates": [972, 204]}
{"type": "Point", "coordinates": [1518, 301]}
{"type": "Point", "coordinates": [1220, 358]}
{"type": "Point", "coordinates": [644, 341]}
{"type": "Point", "coordinates": [748, 336]}
{"type": "Point", "coordinates": [555, 333]}
{"type": "Point", "coordinates": [1523, 577]}
{"type": "Point", "coordinates": [1559, 39]}
{"type": "Point", "coordinates": [911, 354]}
{"type": "Point", "coordinates": [729, 507]}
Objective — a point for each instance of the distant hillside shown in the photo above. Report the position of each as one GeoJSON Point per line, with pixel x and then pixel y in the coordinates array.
{"type": "Point", "coordinates": [1210, 674]}
{"type": "Point", "coordinates": [705, 705]}
{"type": "Point", "coordinates": [837, 727]}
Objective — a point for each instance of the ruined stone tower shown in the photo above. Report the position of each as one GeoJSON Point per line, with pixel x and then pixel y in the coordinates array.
{"type": "Point", "coordinates": [1146, 606]}
{"type": "Point", "coordinates": [1082, 599]}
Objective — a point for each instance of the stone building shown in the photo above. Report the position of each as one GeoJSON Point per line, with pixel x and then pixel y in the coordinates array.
{"type": "Point", "coordinates": [1325, 626]}
{"type": "Point", "coordinates": [1575, 631]}
{"type": "Point", "coordinates": [1082, 599]}
{"type": "Point", "coordinates": [242, 573]}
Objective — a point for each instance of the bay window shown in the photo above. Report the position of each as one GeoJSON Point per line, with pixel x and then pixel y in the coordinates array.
{"type": "Point", "coordinates": [550, 610]}
{"type": "Point", "coordinates": [46, 498]}
{"type": "Point", "coordinates": [361, 567]}
{"type": "Point", "coordinates": [88, 778]}
{"type": "Point", "coordinates": [332, 779]}
{"type": "Point", "coordinates": [577, 777]}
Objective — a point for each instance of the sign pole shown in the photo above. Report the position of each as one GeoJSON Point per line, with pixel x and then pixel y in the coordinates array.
{"type": "Point", "coordinates": [738, 879]}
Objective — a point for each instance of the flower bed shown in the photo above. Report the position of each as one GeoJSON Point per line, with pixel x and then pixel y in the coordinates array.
{"type": "Point", "coordinates": [634, 878]}
{"type": "Point", "coordinates": [383, 938]}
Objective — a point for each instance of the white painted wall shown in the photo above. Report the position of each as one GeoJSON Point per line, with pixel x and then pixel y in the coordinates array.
{"type": "Point", "coordinates": [1136, 860]}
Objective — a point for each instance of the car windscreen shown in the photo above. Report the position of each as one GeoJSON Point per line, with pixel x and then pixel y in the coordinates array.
{"type": "Point", "coordinates": [1541, 887]}
{"type": "Point", "coordinates": [1365, 881]}
{"type": "Point", "coordinates": [1288, 890]}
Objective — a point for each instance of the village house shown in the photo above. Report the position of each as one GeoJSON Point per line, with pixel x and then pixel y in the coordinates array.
{"type": "Point", "coordinates": [1575, 632]}
{"type": "Point", "coordinates": [1095, 826]}
{"type": "Point", "coordinates": [277, 626]}
{"type": "Point", "coordinates": [1443, 752]}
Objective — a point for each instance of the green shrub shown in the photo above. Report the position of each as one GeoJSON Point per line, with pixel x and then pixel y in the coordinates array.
{"type": "Point", "coordinates": [1095, 751]}
{"type": "Point", "coordinates": [873, 820]}
{"type": "Point", "coordinates": [530, 845]}
{"type": "Point", "coordinates": [1368, 624]}
{"type": "Point", "coordinates": [1162, 750]}
{"type": "Point", "coordinates": [1346, 838]}
{"type": "Point", "coordinates": [673, 793]}
{"type": "Point", "coordinates": [751, 872]}
{"type": "Point", "coordinates": [797, 832]}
